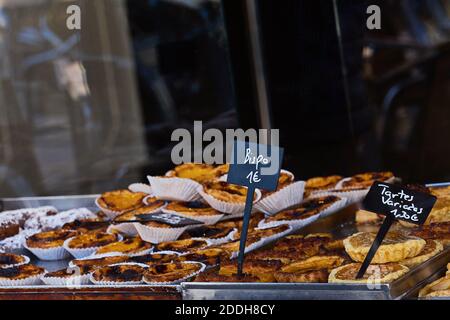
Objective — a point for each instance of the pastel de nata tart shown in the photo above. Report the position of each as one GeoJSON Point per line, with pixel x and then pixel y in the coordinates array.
{"type": "Point", "coordinates": [26, 274]}
{"type": "Point", "coordinates": [128, 246]}
{"type": "Point", "coordinates": [8, 260]}
{"type": "Point", "coordinates": [155, 258]}
{"type": "Point", "coordinates": [152, 207]}
{"type": "Point", "coordinates": [68, 276]}
{"type": "Point", "coordinates": [365, 180]}
{"type": "Point", "coordinates": [237, 222]}
{"type": "Point", "coordinates": [268, 232]}
{"type": "Point", "coordinates": [199, 172]}
{"type": "Point", "coordinates": [440, 192]}
{"type": "Point", "coordinates": [192, 208]}
{"type": "Point", "coordinates": [376, 273]}
{"type": "Point", "coordinates": [209, 232]}
{"type": "Point", "coordinates": [121, 200]}
{"type": "Point", "coordinates": [87, 225]}
{"type": "Point", "coordinates": [314, 276]}
{"type": "Point", "coordinates": [91, 240]}
{"type": "Point", "coordinates": [171, 272]}
{"type": "Point", "coordinates": [213, 276]}
{"type": "Point", "coordinates": [262, 269]}
{"type": "Point", "coordinates": [226, 192]}
{"type": "Point", "coordinates": [314, 263]}
{"type": "Point", "coordinates": [285, 179]}
{"type": "Point", "coordinates": [440, 211]}
{"type": "Point", "coordinates": [69, 272]}
{"type": "Point", "coordinates": [432, 248]}
{"type": "Point", "coordinates": [322, 183]}
{"type": "Point", "coordinates": [118, 274]}
{"type": "Point", "coordinates": [93, 263]}
{"type": "Point", "coordinates": [49, 239]}
{"type": "Point", "coordinates": [305, 210]}
{"type": "Point", "coordinates": [208, 256]}
{"type": "Point", "coordinates": [434, 231]}
{"type": "Point", "coordinates": [185, 245]}
{"type": "Point", "coordinates": [394, 248]}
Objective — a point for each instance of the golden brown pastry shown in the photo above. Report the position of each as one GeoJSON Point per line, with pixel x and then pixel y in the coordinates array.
{"type": "Point", "coordinates": [192, 209]}
{"type": "Point", "coordinates": [442, 284]}
{"type": "Point", "coordinates": [50, 239]}
{"type": "Point", "coordinates": [127, 246]}
{"type": "Point", "coordinates": [170, 272]}
{"type": "Point", "coordinates": [284, 180]}
{"type": "Point", "coordinates": [394, 248]}
{"type": "Point", "coordinates": [322, 183]}
{"type": "Point", "coordinates": [94, 263]}
{"type": "Point", "coordinates": [365, 180]}
{"type": "Point", "coordinates": [432, 248]}
{"type": "Point", "coordinates": [225, 191]}
{"type": "Point", "coordinates": [262, 269]}
{"type": "Point", "coordinates": [210, 232]}
{"type": "Point", "coordinates": [199, 172]}
{"type": "Point", "coordinates": [9, 259]}
{"type": "Point", "coordinates": [121, 200]}
{"type": "Point", "coordinates": [434, 231]}
{"type": "Point", "coordinates": [154, 258]}
{"type": "Point", "coordinates": [134, 214]}
{"type": "Point", "coordinates": [210, 257]}
{"type": "Point", "coordinates": [92, 240]}
{"type": "Point", "coordinates": [87, 225]}
{"type": "Point", "coordinates": [68, 272]}
{"type": "Point", "coordinates": [119, 273]}
{"type": "Point", "coordinates": [213, 276]}
{"type": "Point", "coordinates": [376, 273]}
{"type": "Point", "coordinates": [314, 263]}
{"type": "Point", "coordinates": [314, 276]}
{"type": "Point", "coordinates": [21, 272]}
{"type": "Point", "coordinates": [186, 245]}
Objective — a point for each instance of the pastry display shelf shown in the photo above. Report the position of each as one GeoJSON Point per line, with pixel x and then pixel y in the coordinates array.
{"type": "Point", "coordinates": [341, 224]}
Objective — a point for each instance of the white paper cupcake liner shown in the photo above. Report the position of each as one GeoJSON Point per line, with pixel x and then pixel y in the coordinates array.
{"type": "Point", "coordinates": [228, 207]}
{"type": "Point", "coordinates": [287, 197]}
{"type": "Point", "coordinates": [263, 242]}
{"type": "Point", "coordinates": [139, 253]}
{"type": "Point", "coordinates": [207, 220]}
{"type": "Point", "coordinates": [82, 252]}
{"type": "Point", "coordinates": [49, 254]}
{"type": "Point", "coordinates": [352, 196]}
{"type": "Point", "coordinates": [72, 281]}
{"type": "Point", "coordinates": [118, 283]}
{"type": "Point", "coordinates": [175, 189]}
{"type": "Point", "coordinates": [157, 235]}
{"type": "Point", "coordinates": [229, 237]}
{"type": "Point", "coordinates": [145, 201]}
{"type": "Point", "coordinates": [26, 261]}
{"type": "Point", "coordinates": [109, 213]}
{"type": "Point", "coordinates": [140, 187]}
{"type": "Point", "coordinates": [95, 256]}
{"type": "Point", "coordinates": [30, 281]}
{"type": "Point", "coordinates": [202, 268]}
{"type": "Point", "coordinates": [126, 228]}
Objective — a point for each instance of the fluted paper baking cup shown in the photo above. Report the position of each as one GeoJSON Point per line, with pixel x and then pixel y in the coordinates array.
{"type": "Point", "coordinates": [207, 220]}
{"type": "Point", "coordinates": [119, 283]}
{"type": "Point", "coordinates": [287, 197]}
{"type": "Point", "coordinates": [96, 256]}
{"type": "Point", "coordinates": [139, 253]}
{"type": "Point", "coordinates": [202, 268]}
{"type": "Point", "coordinates": [30, 281]}
{"type": "Point", "coordinates": [227, 207]}
{"type": "Point", "coordinates": [49, 254]}
{"type": "Point", "coordinates": [109, 213]}
{"type": "Point", "coordinates": [229, 237]}
{"type": "Point", "coordinates": [126, 228]}
{"type": "Point", "coordinates": [295, 224]}
{"type": "Point", "coordinates": [145, 201]}
{"type": "Point", "coordinates": [352, 196]}
{"type": "Point", "coordinates": [175, 189]}
{"type": "Point", "coordinates": [72, 281]}
{"type": "Point", "coordinates": [25, 261]}
{"type": "Point", "coordinates": [140, 187]}
{"type": "Point", "coordinates": [263, 242]}
{"type": "Point", "coordinates": [157, 235]}
{"type": "Point", "coordinates": [83, 252]}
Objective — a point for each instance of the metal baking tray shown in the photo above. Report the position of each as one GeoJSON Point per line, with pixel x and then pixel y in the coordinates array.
{"type": "Point", "coordinates": [65, 203]}
{"type": "Point", "coordinates": [341, 224]}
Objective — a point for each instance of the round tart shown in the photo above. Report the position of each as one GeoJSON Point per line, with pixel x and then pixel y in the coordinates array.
{"type": "Point", "coordinates": [434, 231]}
{"type": "Point", "coordinates": [314, 263]}
{"type": "Point", "coordinates": [264, 270]}
{"type": "Point", "coordinates": [49, 239]}
{"type": "Point", "coordinates": [315, 276]}
{"type": "Point", "coordinates": [199, 172]}
{"type": "Point", "coordinates": [365, 180]}
{"type": "Point", "coordinates": [394, 248]}
{"type": "Point", "coordinates": [208, 256]}
{"type": "Point", "coordinates": [438, 285]}
{"type": "Point", "coordinates": [100, 261]}
{"type": "Point", "coordinates": [322, 183]}
{"type": "Point", "coordinates": [382, 273]}
{"type": "Point", "coordinates": [157, 232]}
{"type": "Point", "coordinates": [132, 215]}
{"type": "Point", "coordinates": [71, 276]}
{"type": "Point", "coordinates": [172, 272]}
{"type": "Point", "coordinates": [26, 274]}
{"type": "Point", "coordinates": [186, 245]}
{"type": "Point", "coordinates": [158, 257]}
{"type": "Point", "coordinates": [226, 192]}
{"type": "Point", "coordinates": [118, 274]}
{"type": "Point", "coordinates": [285, 179]}
{"type": "Point", "coordinates": [8, 260]}
{"type": "Point", "coordinates": [91, 240]}
{"type": "Point", "coordinates": [209, 232]}
{"type": "Point", "coordinates": [431, 249]}
{"type": "Point", "coordinates": [120, 201]}
{"type": "Point", "coordinates": [439, 294]}
{"type": "Point", "coordinates": [191, 209]}
{"type": "Point", "coordinates": [130, 246]}
{"type": "Point", "coordinates": [83, 226]}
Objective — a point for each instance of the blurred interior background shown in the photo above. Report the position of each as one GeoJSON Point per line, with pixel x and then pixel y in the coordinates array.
{"type": "Point", "coordinates": [84, 111]}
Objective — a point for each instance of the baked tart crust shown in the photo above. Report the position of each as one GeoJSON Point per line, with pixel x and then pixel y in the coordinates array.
{"type": "Point", "coordinates": [193, 208]}
{"type": "Point", "coordinates": [170, 272]}
{"type": "Point", "coordinates": [119, 273]}
{"type": "Point", "coordinates": [8, 259]}
{"type": "Point", "coordinates": [98, 262]}
{"type": "Point", "coordinates": [128, 246]}
{"type": "Point", "coordinates": [185, 245]}
{"type": "Point", "coordinates": [322, 183]}
{"type": "Point", "coordinates": [49, 239]}
{"type": "Point", "coordinates": [92, 240]}
{"type": "Point", "coordinates": [431, 249]}
{"type": "Point", "coordinates": [314, 276]}
{"type": "Point", "coordinates": [226, 192]}
{"type": "Point", "coordinates": [314, 263]}
{"type": "Point", "coordinates": [135, 213]}
{"type": "Point", "coordinates": [381, 273]}
{"type": "Point", "coordinates": [21, 272]}
{"type": "Point", "coordinates": [154, 258]}
{"type": "Point", "coordinates": [365, 180]}
{"type": "Point", "coordinates": [199, 172]}
{"type": "Point", "coordinates": [121, 200]}
{"type": "Point", "coordinates": [262, 269]}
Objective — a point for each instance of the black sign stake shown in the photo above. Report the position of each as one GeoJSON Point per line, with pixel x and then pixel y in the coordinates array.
{"type": "Point", "coordinates": [243, 240]}
{"type": "Point", "coordinates": [376, 243]}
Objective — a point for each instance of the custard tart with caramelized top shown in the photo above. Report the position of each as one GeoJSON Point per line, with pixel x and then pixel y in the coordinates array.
{"type": "Point", "coordinates": [285, 179]}
{"type": "Point", "coordinates": [434, 231]}
{"type": "Point", "coordinates": [395, 247]}
{"type": "Point", "coordinates": [376, 273]}
{"type": "Point", "coordinates": [125, 273]}
{"type": "Point", "coordinates": [127, 246]}
{"type": "Point", "coordinates": [199, 172]}
{"type": "Point", "coordinates": [151, 207]}
{"type": "Point", "coordinates": [210, 257]}
{"type": "Point", "coordinates": [96, 262]}
{"type": "Point", "coordinates": [83, 226]}
{"type": "Point", "coordinates": [69, 272]}
{"type": "Point", "coordinates": [49, 239]}
{"type": "Point", "coordinates": [210, 232]}
{"type": "Point", "coordinates": [322, 183]}
{"type": "Point", "coordinates": [365, 180]}
{"type": "Point", "coordinates": [213, 276]}
{"type": "Point", "coordinates": [171, 272]}
{"type": "Point", "coordinates": [121, 200]}
{"type": "Point", "coordinates": [157, 257]}
{"type": "Point", "coordinates": [226, 192]}
{"type": "Point", "coordinates": [9, 260]}
{"type": "Point", "coordinates": [21, 272]}
{"type": "Point", "coordinates": [92, 240]}
{"type": "Point", "coordinates": [186, 245]}
{"type": "Point", "coordinates": [192, 208]}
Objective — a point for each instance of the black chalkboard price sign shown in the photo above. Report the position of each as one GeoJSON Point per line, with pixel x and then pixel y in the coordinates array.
{"type": "Point", "coordinates": [253, 166]}
{"type": "Point", "coordinates": [396, 202]}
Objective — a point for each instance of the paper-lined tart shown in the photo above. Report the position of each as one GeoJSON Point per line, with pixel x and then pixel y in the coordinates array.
{"type": "Point", "coordinates": [174, 188]}
{"type": "Point", "coordinates": [98, 261]}
{"type": "Point", "coordinates": [314, 276]}
{"type": "Point", "coordinates": [9, 260]}
{"type": "Point", "coordinates": [88, 225]}
{"type": "Point", "coordinates": [26, 274]}
{"type": "Point", "coordinates": [216, 235]}
{"type": "Point", "coordinates": [322, 183]}
{"type": "Point", "coordinates": [186, 245]}
{"type": "Point", "coordinates": [153, 206]}
{"type": "Point", "coordinates": [49, 245]}
{"type": "Point", "coordinates": [262, 269]}
{"type": "Point", "coordinates": [226, 197]}
{"type": "Point", "coordinates": [285, 179]}
{"type": "Point", "coordinates": [365, 180]}
{"type": "Point", "coordinates": [156, 257]}
{"type": "Point", "coordinates": [199, 172]}
{"type": "Point", "coordinates": [432, 248]}
{"type": "Point", "coordinates": [119, 274]}
{"type": "Point", "coordinates": [157, 232]}
{"type": "Point", "coordinates": [440, 211]}
{"type": "Point", "coordinates": [129, 246]}
{"type": "Point", "coordinates": [394, 248]}
{"type": "Point", "coordinates": [196, 210]}
{"type": "Point", "coordinates": [86, 244]}
{"type": "Point", "coordinates": [71, 276]}
{"type": "Point", "coordinates": [115, 202]}
{"type": "Point", "coordinates": [434, 231]}
{"type": "Point", "coordinates": [319, 262]}
{"type": "Point", "coordinates": [376, 273]}
{"type": "Point", "coordinates": [208, 256]}
{"type": "Point", "coordinates": [171, 273]}
{"type": "Point", "coordinates": [307, 211]}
